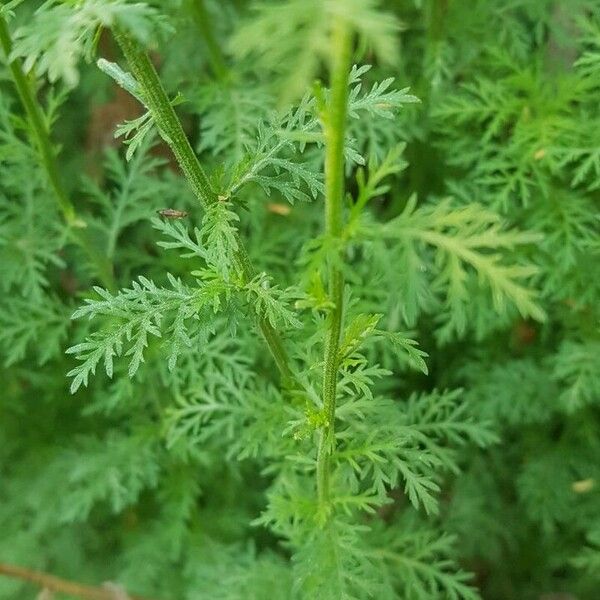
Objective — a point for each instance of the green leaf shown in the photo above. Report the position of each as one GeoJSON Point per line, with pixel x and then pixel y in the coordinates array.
{"type": "Point", "coordinates": [407, 349]}
{"type": "Point", "coordinates": [358, 329]}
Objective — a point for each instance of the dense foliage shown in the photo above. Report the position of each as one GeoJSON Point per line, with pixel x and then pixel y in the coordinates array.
{"type": "Point", "coordinates": [359, 354]}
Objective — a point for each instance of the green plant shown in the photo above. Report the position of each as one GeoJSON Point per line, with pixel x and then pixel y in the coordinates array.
{"type": "Point", "coordinates": [349, 296]}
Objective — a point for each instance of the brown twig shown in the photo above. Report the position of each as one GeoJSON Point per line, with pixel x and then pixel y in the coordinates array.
{"type": "Point", "coordinates": [56, 584]}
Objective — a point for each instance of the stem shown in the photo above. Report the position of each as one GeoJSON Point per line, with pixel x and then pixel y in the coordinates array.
{"type": "Point", "coordinates": [335, 129]}
{"type": "Point", "coordinates": [202, 19]}
{"type": "Point", "coordinates": [159, 106]}
{"type": "Point", "coordinates": [63, 586]}
{"type": "Point", "coordinates": [271, 336]}
{"type": "Point", "coordinates": [436, 18]}
{"type": "Point", "coordinates": [36, 120]}
{"type": "Point", "coordinates": [42, 140]}
{"type": "Point", "coordinates": [104, 269]}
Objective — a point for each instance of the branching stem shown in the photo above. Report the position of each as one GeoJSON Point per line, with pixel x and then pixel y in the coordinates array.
{"type": "Point", "coordinates": [334, 122]}
{"type": "Point", "coordinates": [41, 135]}
{"type": "Point", "coordinates": [169, 126]}
{"type": "Point", "coordinates": [62, 586]}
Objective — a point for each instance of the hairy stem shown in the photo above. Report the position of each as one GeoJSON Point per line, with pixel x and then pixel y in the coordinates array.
{"type": "Point", "coordinates": [335, 129]}
{"type": "Point", "coordinates": [203, 22]}
{"type": "Point", "coordinates": [41, 135]}
{"type": "Point", "coordinates": [157, 102]}
{"type": "Point", "coordinates": [62, 586]}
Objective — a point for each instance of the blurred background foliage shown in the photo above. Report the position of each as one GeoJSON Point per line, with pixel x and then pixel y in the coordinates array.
{"type": "Point", "coordinates": [102, 485]}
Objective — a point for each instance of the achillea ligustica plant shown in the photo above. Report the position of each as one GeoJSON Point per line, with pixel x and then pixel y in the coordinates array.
{"type": "Point", "coordinates": [326, 336]}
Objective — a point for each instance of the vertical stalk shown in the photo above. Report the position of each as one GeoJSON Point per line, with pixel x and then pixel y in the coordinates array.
{"type": "Point", "coordinates": [38, 126]}
{"type": "Point", "coordinates": [202, 20]}
{"type": "Point", "coordinates": [163, 113]}
{"type": "Point", "coordinates": [334, 122]}
{"type": "Point", "coordinates": [436, 18]}
{"type": "Point", "coordinates": [157, 102]}
{"type": "Point", "coordinates": [45, 149]}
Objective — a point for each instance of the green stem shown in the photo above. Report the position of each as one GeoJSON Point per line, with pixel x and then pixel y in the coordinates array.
{"type": "Point", "coordinates": [335, 129]}
{"type": "Point", "coordinates": [80, 234]}
{"type": "Point", "coordinates": [270, 334]}
{"type": "Point", "coordinates": [436, 18]}
{"type": "Point", "coordinates": [38, 126]}
{"type": "Point", "coordinates": [42, 140]}
{"type": "Point", "coordinates": [203, 22]}
{"type": "Point", "coordinates": [159, 106]}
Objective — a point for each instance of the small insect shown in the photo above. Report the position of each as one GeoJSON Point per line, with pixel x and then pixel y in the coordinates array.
{"type": "Point", "coordinates": [171, 213]}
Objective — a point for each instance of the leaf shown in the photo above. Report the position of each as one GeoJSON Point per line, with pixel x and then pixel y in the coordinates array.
{"type": "Point", "coordinates": [272, 160]}
{"type": "Point", "coordinates": [219, 238]}
{"type": "Point", "coordinates": [379, 100]}
{"type": "Point", "coordinates": [20, 324]}
{"type": "Point", "coordinates": [59, 34]}
{"type": "Point", "coordinates": [121, 78]}
{"type": "Point", "coordinates": [271, 303]}
{"type": "Point", "coordinates": [291, 38]}
{"type": "Point", "coordinates": [407, 348]}
{"type": "Point", "coordinates": [177, 231]}
{"type": "Point", "coordinates": [418, 560]}
{"type": "Point", "coordinates": [577, 366]}
{"type": "Point", "coordinates": [136, 314]}
{"type": "Point", "coordinates": [140, 128]}
{"type": "Point", "coordinates": [357, 330]}
{"type": "Point", "coordinates": [466, 236]}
